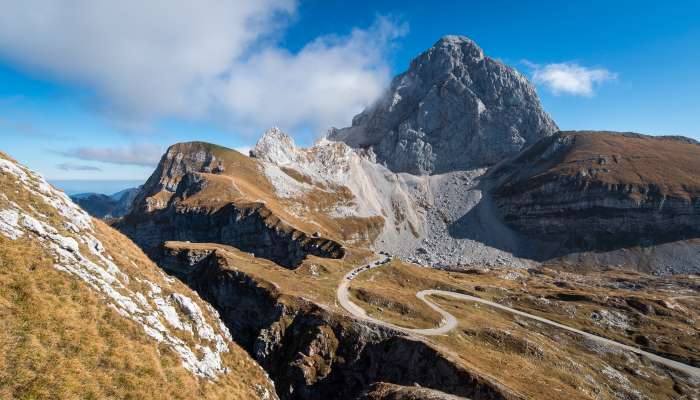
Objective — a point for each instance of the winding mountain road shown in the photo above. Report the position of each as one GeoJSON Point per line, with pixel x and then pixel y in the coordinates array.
{"type": "Point", "coordinates": [449, 321]}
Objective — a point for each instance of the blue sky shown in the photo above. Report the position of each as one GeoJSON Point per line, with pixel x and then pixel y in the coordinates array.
{"type": "Point", "coordinates": [98, 92]}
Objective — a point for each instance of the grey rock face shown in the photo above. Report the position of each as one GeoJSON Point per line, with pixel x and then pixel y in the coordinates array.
{"type": "Point", "coordinates": [454, 109]}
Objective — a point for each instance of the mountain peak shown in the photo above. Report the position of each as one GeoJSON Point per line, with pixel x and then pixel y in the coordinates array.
{"type": "Point", "coordinates": [275, 146]}
{"type": "Point", "coordinates": [463, 43]}
{"type": "Point", "coordinates": [453, 109]}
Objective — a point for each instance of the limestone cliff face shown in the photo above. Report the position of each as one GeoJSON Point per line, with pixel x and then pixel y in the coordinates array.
{"type": "Point", "coordinates": [454, 109]}
{"type": "Point", "coordinates": [603, 190]}
{"type": "Point", "coordinates": [190, 197]}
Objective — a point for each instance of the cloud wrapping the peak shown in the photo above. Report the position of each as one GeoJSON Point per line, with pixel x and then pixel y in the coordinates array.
{"type": "Point", "coordinates": [143, 154]}
{"type": "Point", "coordinates": [327, 82]}
{"type": "Point", "coordinates": [207, 60]}
{"type": "Point", "coordinates": [570, 78]}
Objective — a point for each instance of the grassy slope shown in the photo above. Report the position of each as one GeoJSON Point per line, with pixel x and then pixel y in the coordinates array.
{"type": "Point", "coordinates": [315, 279]}
{"type": "Point", "coordinates": [535, 360]}
{"type": "Point", "coordinates": [549, 363]}
{"type": "Point", "coordinates": [667, 165]}
{"type": "Point", "coordinates": [60, 340]}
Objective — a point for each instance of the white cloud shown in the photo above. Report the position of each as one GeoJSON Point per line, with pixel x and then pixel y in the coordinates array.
{"type": "Point", "coordinates": [327, 82]}
{"type": "Point", "coordinates": [207, 60]}
{"type": "Point", "coordinates": [143, 154]}
{"type": "Point", "coordinates": [570, 77]}
{"type": "Point", "coordinates": [77, 167]}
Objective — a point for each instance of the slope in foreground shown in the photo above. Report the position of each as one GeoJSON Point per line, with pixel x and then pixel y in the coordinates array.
{"type": "Point", "coordinates": [85, 314]}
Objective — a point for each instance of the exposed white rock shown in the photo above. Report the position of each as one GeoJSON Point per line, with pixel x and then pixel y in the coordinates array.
{"type": "Point", "coordinates": [170, 314]}
{"type": "Point", "coordinates": [610, 319]}
{"type": "Point", "coordinates": [154, 289]}
{"type": "Point", "coordinates": [9, 221]}
{"type": "Point", "coordinates": [14, 169]}
{"type": "Point", "coordinates": [621, 381]}
{"type": "Point", "coordinates": [285, 186]}
{"type": "Point", "coordinates": [195, 315]}
{"type": "Point", "coordinates": [438, 220]}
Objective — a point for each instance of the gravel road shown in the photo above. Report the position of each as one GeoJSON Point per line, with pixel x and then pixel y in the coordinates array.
{"type": "Point", "coordinates": [449, 321]}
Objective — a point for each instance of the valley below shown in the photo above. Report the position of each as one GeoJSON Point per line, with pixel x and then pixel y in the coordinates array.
{"type": "Point", "coordinates": [333, 350]}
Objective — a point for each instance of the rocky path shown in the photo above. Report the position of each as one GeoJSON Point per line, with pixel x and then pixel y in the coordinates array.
{"type": "Point", "coordinates": [449, 321]}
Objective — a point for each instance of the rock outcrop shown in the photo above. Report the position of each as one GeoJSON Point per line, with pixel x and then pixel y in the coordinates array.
{"type": "Point", "coordinates": [454, 109]}
{"type": "Point", "coordinates": [602, 190]}
{"type": "Point", "coordinates": [422, 217]}
{"type": "Point", "coordinates": [385, 391]}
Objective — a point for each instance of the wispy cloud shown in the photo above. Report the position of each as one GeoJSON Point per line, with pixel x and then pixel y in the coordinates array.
{"type": "Point", "coordinates": [77, 167]}
{"type": "Point", "coordinates": [145, 154]}
{"type": "Point", "coordinates": [24, 128]}
{"type": "Point", "coordinates": [209, 60]}
{"type": "Point", "coordinates": [569, 77]}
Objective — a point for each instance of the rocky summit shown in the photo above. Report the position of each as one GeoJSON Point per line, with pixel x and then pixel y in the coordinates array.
{"type": "Point", "coordinates": [453, 109]}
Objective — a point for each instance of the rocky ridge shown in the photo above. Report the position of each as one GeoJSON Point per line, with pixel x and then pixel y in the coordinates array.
{"type": "Point", "coordinates": [422, 215]}
{"type": "Point", "coordinates": [103, 206]}
{"type": "Point", "coordinates": [605, 191]}
{"type": "Point", "coordinates": [453, 109]}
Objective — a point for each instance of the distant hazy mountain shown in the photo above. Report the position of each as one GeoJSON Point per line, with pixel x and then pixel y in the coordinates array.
{"type": "Point", "coordinates": [103, 206]}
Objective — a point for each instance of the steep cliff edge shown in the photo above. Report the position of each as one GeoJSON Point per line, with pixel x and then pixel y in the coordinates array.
{"type": "Point", "coordinates": [85, 314]}
{"type": "Point", "coordinates": [453, 109]}
{"type": "Point", "coordinates": [602, 190]}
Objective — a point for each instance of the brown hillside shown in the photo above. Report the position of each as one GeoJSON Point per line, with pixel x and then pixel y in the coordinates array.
{"type": "Point", "coordinates": [669, 166]}
{"type": "Point", "coordinates": [82, 311]}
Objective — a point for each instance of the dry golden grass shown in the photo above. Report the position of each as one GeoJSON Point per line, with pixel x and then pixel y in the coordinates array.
{"type": "Point", "coordinates": [668, 164]}
{"type": "Point", "coordinates": [638, 163]}
{"type": "Point", "coordinates": [298, 176]}
{"type": "Point", "coordinates": [315, 279]}
{"type": "Point", "coordinates": [533, 359]}
{"type": "Point", "coordinates": [61, 340]}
